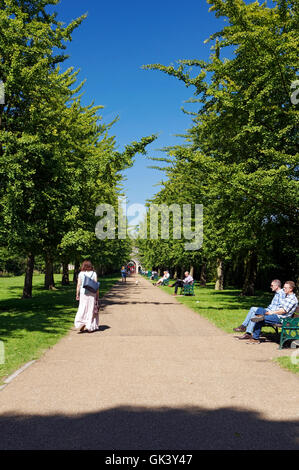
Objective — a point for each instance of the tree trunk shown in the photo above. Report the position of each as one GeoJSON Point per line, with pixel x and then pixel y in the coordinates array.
{"type": "Point", "coordinates": [250, 274]}
{"type": "Point", "coordinates": [49, 274]}
{"type": "Point", "coordinates": [27, 291]}
{"type": "Point", "coordinates": [192, 271]}
{"type": "Point", "coordinates": [203, 275]}
{"type": "Point", "coordinates": [65, 281]}
{"type": "Point", "coordinates": [76, 272]}
{"type": "Point", "coordinates": [220, 275]}
{"type": "Point", "coordinates": [100, 270]}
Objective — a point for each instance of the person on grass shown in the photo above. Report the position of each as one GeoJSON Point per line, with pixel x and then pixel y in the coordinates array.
{"type": "Point", "coordinates": [248, 326]}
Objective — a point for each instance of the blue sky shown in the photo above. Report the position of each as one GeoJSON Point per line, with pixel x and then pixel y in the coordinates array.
{"type": "Point", "coordinates": [110, 48]}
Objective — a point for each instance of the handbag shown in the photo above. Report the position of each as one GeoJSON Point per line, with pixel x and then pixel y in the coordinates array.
{"type": "Point", "coordinates": [96, 309]}
{"type": "Point", "coordinates": [90, 285]}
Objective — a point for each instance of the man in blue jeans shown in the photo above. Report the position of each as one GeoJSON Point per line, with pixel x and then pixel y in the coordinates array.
{"type": "Point", "coordinates": [248, 326]}
{"type": "Point", "coordinates": [287, 309]}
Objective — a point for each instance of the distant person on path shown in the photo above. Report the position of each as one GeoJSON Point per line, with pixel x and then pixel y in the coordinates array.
{"type": "Point", "coordinates": [87, 315]}
{"type": "Point", "coordinates": [163, 278]}
{"type": "Point", "coordinates": [288, 307]}
{"type": "Point", "coordinates": [181, 282]}
{"type": "Point", "coordinates": [248, 326]}
{"type": "Point", "coordinates": [123, 272]}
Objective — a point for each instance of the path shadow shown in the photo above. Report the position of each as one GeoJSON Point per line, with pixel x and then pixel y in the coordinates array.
{"type": "Point", "coordinates": [118, 295]}
{"type": "Point", "coordinates": [104, 327]}
{"type": "Point", "coordinates": [105, 303]}
{"type": "Point", "coordinates": [86, 332]}
{"type": "Point", "coordinates": [141, 428]}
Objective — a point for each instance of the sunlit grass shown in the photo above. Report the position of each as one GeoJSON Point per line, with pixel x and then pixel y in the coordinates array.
{"type": "Point", "coordinates": [287, 363]}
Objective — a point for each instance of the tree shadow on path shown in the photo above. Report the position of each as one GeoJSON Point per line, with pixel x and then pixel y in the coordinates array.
{"type": "Point", "coordinates": [141, 428]}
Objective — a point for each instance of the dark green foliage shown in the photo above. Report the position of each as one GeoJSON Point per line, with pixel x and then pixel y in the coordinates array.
{"type": "Point", "coordinates": [241, 157]}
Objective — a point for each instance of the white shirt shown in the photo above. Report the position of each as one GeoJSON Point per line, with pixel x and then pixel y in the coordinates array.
{"type": "Point", "coordinates": [188, 280]}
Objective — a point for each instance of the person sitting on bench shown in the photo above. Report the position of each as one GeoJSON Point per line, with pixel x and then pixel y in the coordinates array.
{"type": "Point", "coordinates": [182, 282]}
{"type": "Point", "coordinates": [248, 326]}
{"type": "Point", "coordinates": [162, 279]}
{"type": "Point", "coordinates": [287, 309]}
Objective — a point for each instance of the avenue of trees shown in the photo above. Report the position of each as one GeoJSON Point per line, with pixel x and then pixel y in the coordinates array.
{"type": "Point", "coordinates": [240, 156]}
{"type": "Point", "coordinates": [58, 160]}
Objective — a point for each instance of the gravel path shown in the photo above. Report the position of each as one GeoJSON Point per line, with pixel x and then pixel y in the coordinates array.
{"type": "Point", "coordinates": [156, 376]}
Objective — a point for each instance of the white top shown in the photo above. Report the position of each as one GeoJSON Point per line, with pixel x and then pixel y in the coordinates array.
{"type": "Point", "coordinates": [92, 275]}
{"type": "Point", "coordinates": [188, 280]}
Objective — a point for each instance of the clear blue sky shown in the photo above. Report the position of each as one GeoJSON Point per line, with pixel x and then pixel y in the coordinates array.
{"type": "Point", "coordinates": [110, 48]}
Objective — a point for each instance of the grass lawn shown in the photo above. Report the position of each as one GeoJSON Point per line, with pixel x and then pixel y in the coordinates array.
{"type": "Point", "coordinates": [287, 364]}
{"type": "Point", "coordinates": [227, 309]}
{"type": "Point", "coordinates": [29, 327]}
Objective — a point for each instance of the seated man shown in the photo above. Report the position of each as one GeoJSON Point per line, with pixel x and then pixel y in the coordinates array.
{"type": "Point", "coordinates": [247, 325]}
{"type": "Point", "coordinates": [287, 309]}
{"type": "Point", "coordinates": [181, 282]}
{"type": "Point", "coordinates": [164, 278]}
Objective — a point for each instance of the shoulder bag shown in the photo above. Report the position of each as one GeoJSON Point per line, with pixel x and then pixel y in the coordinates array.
{"type": "Point", "coordinates": [90, 284]}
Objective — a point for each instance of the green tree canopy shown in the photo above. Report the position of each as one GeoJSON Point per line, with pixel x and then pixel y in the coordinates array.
{"type": "Point", "coordinates": [240, 158]}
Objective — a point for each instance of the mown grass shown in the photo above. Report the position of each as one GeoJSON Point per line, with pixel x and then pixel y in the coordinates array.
{"type": "Point", "coordinates": [286, 363]}
{"type": "Point", "coordinates": [28, 327]}
{"type": "Point", "coordinates": [227, 309]}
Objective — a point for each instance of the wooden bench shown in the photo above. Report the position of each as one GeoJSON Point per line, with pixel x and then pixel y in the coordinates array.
{"type": "Point", "coordinates": [289, 329]}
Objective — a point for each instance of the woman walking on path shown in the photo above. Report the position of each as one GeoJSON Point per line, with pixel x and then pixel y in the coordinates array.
{"type": "Point", "coordinates": [87, 314]}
